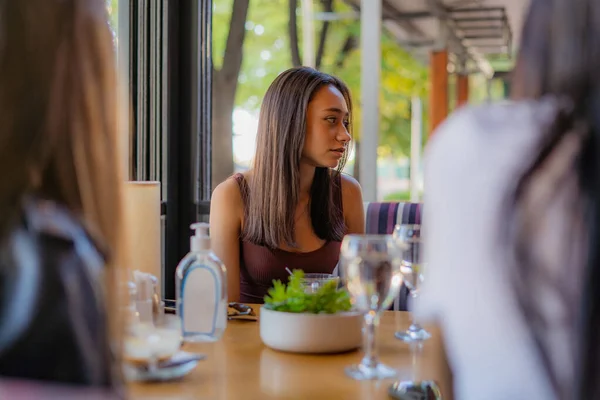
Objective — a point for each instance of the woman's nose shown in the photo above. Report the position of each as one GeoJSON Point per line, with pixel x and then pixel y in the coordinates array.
{"type": "Point", "coordinates": [343, 136]}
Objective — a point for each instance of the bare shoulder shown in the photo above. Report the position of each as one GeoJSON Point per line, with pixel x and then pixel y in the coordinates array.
{"type": "Point", "coordinates": [227, 198]}
{"type": "Point", "coordinates": [352, 201]}
{"type": "Point", "coordinates": [350, 186]}
{"type": "Point", "coordinates": [351, 193]}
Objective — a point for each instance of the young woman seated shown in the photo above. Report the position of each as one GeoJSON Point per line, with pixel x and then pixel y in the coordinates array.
{"type": "Point", "coordinates": [293, 207]}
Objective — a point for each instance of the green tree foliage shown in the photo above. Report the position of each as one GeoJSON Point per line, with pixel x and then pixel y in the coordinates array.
{"type": "Point", "coordinates": [266, 47]}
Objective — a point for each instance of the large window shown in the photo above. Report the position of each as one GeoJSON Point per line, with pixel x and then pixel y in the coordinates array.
{"type": "Point", "coordinates": [163, 51]}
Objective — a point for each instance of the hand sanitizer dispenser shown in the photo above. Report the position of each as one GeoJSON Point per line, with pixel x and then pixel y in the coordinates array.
{"type": "Point", "coordinates": [201, 290]}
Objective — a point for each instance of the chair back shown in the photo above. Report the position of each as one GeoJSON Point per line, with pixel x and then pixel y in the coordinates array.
{"type": "Point", "coordinates": [381, 219]}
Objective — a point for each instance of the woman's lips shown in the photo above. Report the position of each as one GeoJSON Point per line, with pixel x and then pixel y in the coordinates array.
{"type": "Point", "coordinates": [338, 152]}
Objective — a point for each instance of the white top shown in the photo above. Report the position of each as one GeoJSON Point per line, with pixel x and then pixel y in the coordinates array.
{"type": "Point", "coordinates": [471, 163]}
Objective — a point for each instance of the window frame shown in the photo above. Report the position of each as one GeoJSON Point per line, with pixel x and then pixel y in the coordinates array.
{"type": "Point", "coordinates": [170, 64]}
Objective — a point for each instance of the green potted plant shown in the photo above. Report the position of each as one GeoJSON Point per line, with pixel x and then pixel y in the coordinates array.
{"type": "Point", "coordinates": [298, 320]}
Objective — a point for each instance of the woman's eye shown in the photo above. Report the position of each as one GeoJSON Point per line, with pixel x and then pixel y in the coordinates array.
{"type": "Point", "coordinates": [331, 119]}
{"type": "Point", "coordinates": [346, 123]}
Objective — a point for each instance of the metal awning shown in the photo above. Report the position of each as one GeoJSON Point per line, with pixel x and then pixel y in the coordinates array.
{"type": "Point", "coordinates": [474, 31]}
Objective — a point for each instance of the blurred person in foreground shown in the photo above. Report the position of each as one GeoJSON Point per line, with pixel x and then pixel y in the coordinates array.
{"type": "Point", "coordinates": [59, 193]}
{"type": "Point", "coordinates": [513, 219]}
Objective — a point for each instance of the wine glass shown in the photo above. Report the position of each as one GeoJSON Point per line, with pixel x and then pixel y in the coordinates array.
{"type": "Point", "coordinates": [408, 240]}
{"type": "Point", "coordinates": [371, 268]}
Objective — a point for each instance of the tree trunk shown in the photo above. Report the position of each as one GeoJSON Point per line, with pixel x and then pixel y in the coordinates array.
{"type": "Point", "coordinates": [293, 33]}
{"type": "Point", "coordinates": [223, 94]}
{"type": "Point", "coordinates": [327, 7]}
{"type": "Point", "coordinates": [350, 44]}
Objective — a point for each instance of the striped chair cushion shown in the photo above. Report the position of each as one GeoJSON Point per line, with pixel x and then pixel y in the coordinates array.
{"type": "Point", "coordinates": [381, 219]}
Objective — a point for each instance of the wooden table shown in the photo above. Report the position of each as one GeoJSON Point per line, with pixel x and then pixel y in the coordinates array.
{"type": "Point", "coordinates": [239, 366]}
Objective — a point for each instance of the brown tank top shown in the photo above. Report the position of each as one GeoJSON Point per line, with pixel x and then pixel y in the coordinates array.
{"type": "Point", "coordinates": [260, 265]}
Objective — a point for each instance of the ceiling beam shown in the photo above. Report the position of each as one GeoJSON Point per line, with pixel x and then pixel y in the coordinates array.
{"type": "Point", "coordinates": [413, 15]}
{"type": "Point", "coordinates": [482, 28]}
{"type": "Point", "coordinates": [481, 37]}
{"type": "Point", "coordinates": [388, 11]}
{"type": "Point", "coordinates": [463, 31]}
{"type": "Point", "coordinates": [478, 19]}
{"type": "Point", "coordinates": [476, 10]}
{"type": "Point", "coordinates": [451, 33]}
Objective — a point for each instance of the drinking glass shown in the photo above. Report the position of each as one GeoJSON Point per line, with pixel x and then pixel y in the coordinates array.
{"type": "Point", "coordinates": [408, 240]}
{"type": "Point", "coordinates": [371, 268]}
{"type": "Point", "coordinates": [313, 282]}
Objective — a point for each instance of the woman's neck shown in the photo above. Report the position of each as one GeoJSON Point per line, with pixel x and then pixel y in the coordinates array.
{"type": "Point", "coordinates": [307, 175]}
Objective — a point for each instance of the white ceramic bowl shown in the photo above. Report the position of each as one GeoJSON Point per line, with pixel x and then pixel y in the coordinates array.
{"type": "Point", "coordinates": [311, 333]}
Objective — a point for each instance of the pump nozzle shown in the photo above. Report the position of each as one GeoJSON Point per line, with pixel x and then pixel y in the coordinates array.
{"type": "Point", "coordinates": [201, 239]}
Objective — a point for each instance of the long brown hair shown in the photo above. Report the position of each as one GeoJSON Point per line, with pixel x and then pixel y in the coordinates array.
{"type": "Point", "coordinates": [559, 57]}
{"type": "Point", "coordinates": [274, 188]}
{"type": "Point", "coordinates": [58, 101]}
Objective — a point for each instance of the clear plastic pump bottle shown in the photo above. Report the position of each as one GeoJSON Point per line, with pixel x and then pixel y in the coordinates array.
{"type": "Point", "coordinates": [201, 285]}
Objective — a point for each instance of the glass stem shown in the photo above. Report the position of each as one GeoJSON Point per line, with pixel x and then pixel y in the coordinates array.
{"type": "Point", "coordinates": [416, 349]}
{"type": "Point", "coordinates": [370, 360]}
{"type": "Point", "coordinates": [414, 325]}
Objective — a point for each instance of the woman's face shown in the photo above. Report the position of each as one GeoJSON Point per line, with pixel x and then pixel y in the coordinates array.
{"type": "Point", "coordinates": [327, 134]}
